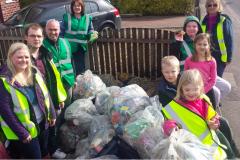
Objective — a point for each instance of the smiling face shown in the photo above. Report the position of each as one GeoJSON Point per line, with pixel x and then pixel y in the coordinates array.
{"type": "Point", "coordinates": [213, 7]}
{"type": "Point", "coordinates": [53, 30]}
{"type": "Point", "coordinates": [21, 60]}
{"type": "Point", "coordinates": [192, 29]}
{"type": "Point", "coordinates": [191, 91]}
{"type": "Point", "coordinates": [77, 8]}
{"type": "Point", "coordinates": [202, 48]}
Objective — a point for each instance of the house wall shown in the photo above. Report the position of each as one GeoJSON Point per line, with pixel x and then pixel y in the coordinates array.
{"type": "Point", "coordinates": [7, 8]}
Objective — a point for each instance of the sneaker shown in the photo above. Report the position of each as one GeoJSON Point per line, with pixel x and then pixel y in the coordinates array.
{"type": "Point", "coordinates": [58, 154]}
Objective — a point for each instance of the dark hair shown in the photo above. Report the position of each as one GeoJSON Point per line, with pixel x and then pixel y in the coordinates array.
{"type": "Point", "coordinates": [34, 26]}
{"type": "Point", "coordinates": [82, 6]}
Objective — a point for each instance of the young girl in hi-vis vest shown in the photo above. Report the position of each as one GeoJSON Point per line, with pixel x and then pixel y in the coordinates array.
{"type": "Point", "coordinates": [202, 60]}
{"type": "Point", "coordinates": [191, 105]}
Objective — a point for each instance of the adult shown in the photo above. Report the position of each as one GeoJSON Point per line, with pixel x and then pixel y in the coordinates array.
{"type": "Point", "coordinates": [183, 47]}
{"type": "Point", "coordinates": [43, 60]}
{"type": "Point", "coordinates": [78, 29]}
{"type": "Point", "coordinates": [220, 27]}
{"type": "Point", "coordinates": [61, 53]}
{"type": "Point", "coordinates": [26, 108]}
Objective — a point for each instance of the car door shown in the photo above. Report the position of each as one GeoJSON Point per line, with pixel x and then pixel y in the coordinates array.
{"type": "Point", "coordinates": [98, 17]}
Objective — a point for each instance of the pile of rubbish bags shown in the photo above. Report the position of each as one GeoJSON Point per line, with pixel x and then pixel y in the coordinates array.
{"type": "Point", "coordinates": [121, 123]}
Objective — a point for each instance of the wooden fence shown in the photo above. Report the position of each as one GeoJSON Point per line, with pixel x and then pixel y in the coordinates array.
{"type": "Point", "coordinates": [7, 37]}
{"type": "Point", "coordinates": [135, 51]}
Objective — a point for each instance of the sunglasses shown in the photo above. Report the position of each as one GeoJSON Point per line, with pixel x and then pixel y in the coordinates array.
{"type": "Point", "coordinates": [212, 5]}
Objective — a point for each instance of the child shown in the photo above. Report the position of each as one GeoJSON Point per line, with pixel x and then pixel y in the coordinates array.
{"type": "Point", "coordinates": [182, 47]}
{"type": "Point", "coordinates": [168, 83]}
{"type": "Point", "coordinates": [206, 64]}
{"type": "Point", "coordinates": [193, 111]}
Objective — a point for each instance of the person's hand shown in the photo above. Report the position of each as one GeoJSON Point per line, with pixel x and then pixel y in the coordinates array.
{"type": "Point", "coordinates": [214, 123]}
{"type": "Point", "coordinates": [179, 35]}
{"type": "Point", "coordinates": [28, 139]}
{"type": "Point", "coordinates": [93, 36]}
{"type": "Point", "coordinates": [61, 105]}
{"type": "Point", "coordinates": [52, 122]}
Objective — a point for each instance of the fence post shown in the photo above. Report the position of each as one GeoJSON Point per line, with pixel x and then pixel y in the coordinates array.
{"type": "Point", "coordinates": [197, 9]}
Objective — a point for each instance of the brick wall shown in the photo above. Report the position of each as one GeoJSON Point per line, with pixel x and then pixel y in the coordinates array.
{"type": "Point", "coordinates": [7, 9]}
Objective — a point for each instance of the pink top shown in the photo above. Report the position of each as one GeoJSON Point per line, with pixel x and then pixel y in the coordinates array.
{"type": "Point", "coordinates": [198, 106]}
{"type": "Point", "coordinates": [206, 68]}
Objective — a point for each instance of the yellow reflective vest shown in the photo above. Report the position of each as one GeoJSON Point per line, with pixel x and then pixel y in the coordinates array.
{"type": "Point", "coordinates": [220, 37]}
{"type": "Point", "coordinates": [21, 108]}
{"type": "Point", "coordinates": [61, 92]}
{"type": "Point", "coordinates": [195, 124]}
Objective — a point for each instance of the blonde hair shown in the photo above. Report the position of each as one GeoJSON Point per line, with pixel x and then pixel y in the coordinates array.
{"type": "Point", "coordinates": [191, 76]}
{"type": "Point", "coordinates": [220, 7]}
{"type": "Point", "coordinates": [12, 50]}
{"type": "Point", "coordinates": [170, 61]}
{"type": "Point", "coordinates": [200, 37]}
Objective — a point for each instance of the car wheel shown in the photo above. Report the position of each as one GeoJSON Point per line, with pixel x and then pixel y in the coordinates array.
{"type": "Point", "coordinates": [107, 30]}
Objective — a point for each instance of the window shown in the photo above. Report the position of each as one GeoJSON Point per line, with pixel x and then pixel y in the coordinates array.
{"type": "Point", "coordinates": [94, 7]}
{"type": "Point", "coordinates": [33, 14]}
{"type": "Point", "coordinates": [18, 17]}
{"type": "Point", "coordinates": [53, 13]}
{"type": "Point", "coordinates": [91, 7]}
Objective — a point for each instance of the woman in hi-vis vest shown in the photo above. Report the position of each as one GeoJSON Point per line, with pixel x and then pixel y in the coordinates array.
{"type": "Point", "coordinates": [77, 27]}
{"type": "Point", "coordinates": [26, 109]}
{"type": "Point", "coordinates": [220, 28]}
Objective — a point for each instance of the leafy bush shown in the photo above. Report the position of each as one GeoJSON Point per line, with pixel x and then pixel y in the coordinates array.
{"type": "Point", "coordinates": [155, 7]}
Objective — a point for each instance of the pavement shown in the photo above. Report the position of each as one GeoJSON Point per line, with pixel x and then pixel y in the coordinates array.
{"type": "Point", "coordinates": [230, 108]}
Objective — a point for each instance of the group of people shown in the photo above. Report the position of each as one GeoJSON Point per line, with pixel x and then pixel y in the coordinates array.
{"type": "Point", "coordinates": [37, 81]}
{"type": "Point", "coordinates": [36, 84]}
{"type": "Point", "coordinates": [192, 85]}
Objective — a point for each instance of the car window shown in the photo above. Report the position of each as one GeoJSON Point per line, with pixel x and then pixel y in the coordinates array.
{"type": "Point", "coordinates": [53, 13]}
{"type": "Point", "coordinates": [17, 18]}
{"type": "Point", "coordinates": [94, 7]}
{"type": "Point", "coordinates": [87, 7]}
{"type": "Point", "coordinates": [33, 14]}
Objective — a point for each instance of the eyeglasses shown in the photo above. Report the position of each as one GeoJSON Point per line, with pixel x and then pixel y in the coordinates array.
{"type": "Point", "coordinates": [212, 5]}
{"type": "Point", "coordinates": [34, 36]}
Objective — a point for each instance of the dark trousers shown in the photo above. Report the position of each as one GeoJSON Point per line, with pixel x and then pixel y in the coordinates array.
{"type": "Point", "coordinates": [227, 132]}
{"type": "Point", "coordinates": [54, 142]}
{"type": "Point", "coordinates": [223, 140]}
{"type": "Point", "coordinates": [35, 149]}
{"type": "Point", "coordinates": [211, 96]}
{"type": "Point", "coordinates": [220, 65]}
{"type": "Point", "coordinates": [31, 150]}
{"type": "Point", "coordinates": [79, 61]}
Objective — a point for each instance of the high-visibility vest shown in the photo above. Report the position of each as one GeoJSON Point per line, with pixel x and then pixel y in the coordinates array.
{"type": "Point", "coordinates": [21, 108]}
{"type": "Point", "coordinates": [62, 59]}
{"type": "Point", "coordinates": [186, 52]}
{"type": "Point", "coordinates": [76, 31]}
{"type": "Point", "coordinates": [61, 92]}
{"type": "Point", "coordinates": [196, 125]}
{"type": "Point", "coordinates": [220, 37]}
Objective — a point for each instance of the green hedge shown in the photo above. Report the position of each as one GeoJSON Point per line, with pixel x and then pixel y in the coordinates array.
{"type": "Point", "coordinates": [155, 7]}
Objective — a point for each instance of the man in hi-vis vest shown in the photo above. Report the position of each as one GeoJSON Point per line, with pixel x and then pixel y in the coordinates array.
{"type": "Point", "coordinates": [43, 60]}
{"type": "Point", "coordinates": [62, 55]}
